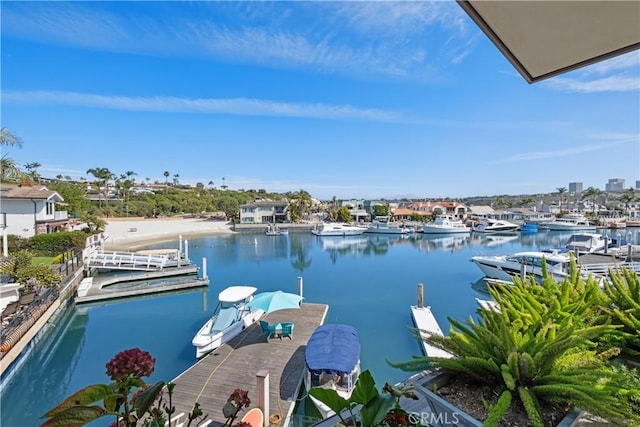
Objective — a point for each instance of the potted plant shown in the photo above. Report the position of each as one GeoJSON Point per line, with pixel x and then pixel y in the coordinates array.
{"type": "Point", "coordinates": [536, 351]}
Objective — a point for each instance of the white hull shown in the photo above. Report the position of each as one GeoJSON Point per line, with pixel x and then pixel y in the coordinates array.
{"type": "Point", "coordinates": [506, 267]}
{"type": "Point", "coordinates": [205, 342]}
{"type": "Point", "coordinates": [337, 229]}
{"type": "Point", "coordinates": [434, 229]}
{"type": "Point", "coordinates": [569, 227]}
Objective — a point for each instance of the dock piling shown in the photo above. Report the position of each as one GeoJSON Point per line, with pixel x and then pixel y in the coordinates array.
{"type": "Point", "coordinates": [262, 378]}
{"type": "Point", "coordinates": [300, 286]}
{"type": "Point", "coordinates": [420, 295]}
{"type": "Point", "coordinates": [204, 267]}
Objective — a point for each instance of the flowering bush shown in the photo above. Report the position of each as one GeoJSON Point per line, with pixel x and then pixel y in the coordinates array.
{"type": "Point", "coordinates": [128, 398]}
{"type": "Point", "coordinates": [134, 363]}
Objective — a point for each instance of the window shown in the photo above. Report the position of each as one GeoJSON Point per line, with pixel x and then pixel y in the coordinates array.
{"type": "Point", "coordinates": [50, 208]}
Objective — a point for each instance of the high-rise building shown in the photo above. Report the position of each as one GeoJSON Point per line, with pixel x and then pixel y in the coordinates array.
{"type": "Point", "coordinates": [637, 185]}
{"type": "Point", "coordinates": [575, 188]}
{"type": "Point", "coordinates": [615, 184]}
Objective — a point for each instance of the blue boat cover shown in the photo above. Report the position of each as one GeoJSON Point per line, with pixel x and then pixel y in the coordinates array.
{"type": "Point", "coordinates": [333, 348]}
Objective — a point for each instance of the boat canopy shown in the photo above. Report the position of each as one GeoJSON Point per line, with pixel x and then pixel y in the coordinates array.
{"type": "Point", "coordinates": [236, 293]}
{"type": "Point", "coordinates": [333, 348]}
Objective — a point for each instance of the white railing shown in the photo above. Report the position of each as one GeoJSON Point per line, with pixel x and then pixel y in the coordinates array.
{"type": "Point", "coordinates": [130, 261]}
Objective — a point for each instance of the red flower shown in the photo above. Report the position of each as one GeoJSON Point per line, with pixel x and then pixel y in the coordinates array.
{"type": "Point", "coordinates": [133, 362]}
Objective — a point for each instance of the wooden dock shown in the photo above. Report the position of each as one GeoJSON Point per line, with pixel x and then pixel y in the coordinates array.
{"type": "Point", "coordinates": [213, 378]}
{"type": "Point", "coordinates": [424, 320]}
{"type": "Point", "coordinates": [92, 289]}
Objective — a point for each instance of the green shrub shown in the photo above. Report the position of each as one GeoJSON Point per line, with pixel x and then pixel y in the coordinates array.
{"type": "Point", "coordinates": [622, 304]}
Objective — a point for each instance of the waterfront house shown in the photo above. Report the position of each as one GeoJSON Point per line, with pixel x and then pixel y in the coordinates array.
{"type": "Point", "coordinates": [28, 209]}
{"type": "Point", "coordinates": [264, 212]}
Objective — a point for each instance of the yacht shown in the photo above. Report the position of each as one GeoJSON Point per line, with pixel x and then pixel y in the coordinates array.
{"type": "Point", "coordinates": [587, 243]}
{"type": "Point", "coordinates": [445, 225]}
{"type": "Point", "coordinates": [382, 225]}
{"type": "Point", "coordinates": [337, 229]}
{"type": "Point", "coordinates": [489, 225]}
{"type": "Point", "coordinates": [332, 358]}
{"type": "Point", "coordinates": [570, 223]}
{"type": "Point", "coordinates": [504, 267]}
{"type": "Point", "coordinates": [229, 318]}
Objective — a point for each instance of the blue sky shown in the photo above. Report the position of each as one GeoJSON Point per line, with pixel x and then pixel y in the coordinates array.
{"type": "Point", "coordinates": [345, 99]}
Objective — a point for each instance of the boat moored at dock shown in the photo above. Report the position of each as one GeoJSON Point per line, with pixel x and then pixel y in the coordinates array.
{"type": "Point", "coordinates": [231, 316]}
{"type": "Point", "coordinates": [332, 358]}
{"type": "Point", "coordinates": [445, 225]}
{"type": "Point", "coordinates": [337, 229]}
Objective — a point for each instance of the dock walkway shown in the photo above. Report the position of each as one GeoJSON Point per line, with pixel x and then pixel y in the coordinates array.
{"type": "Point", "coordinates": [102, 288]}
{"type": "Point", "coordinates": [424, 320]}
{"type": "Point", "coordinates": [213, 378]}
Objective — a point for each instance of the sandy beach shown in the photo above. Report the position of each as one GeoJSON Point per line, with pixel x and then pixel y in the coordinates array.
{"type": "Point", "coordinates": [133, 233]}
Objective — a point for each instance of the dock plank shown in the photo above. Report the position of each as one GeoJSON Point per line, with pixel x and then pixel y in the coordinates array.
{"type": "Point", "coordinates": [426, 322]}
{"type": "Point", "coordinates": [234, 365]}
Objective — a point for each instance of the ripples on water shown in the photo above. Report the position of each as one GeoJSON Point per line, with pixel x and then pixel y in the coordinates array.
{"type": "Point", "coordinates": [368, 281]}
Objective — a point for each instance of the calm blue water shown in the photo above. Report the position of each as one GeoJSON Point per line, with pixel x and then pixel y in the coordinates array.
{"type": "Point", "coordinates": [368, 281]}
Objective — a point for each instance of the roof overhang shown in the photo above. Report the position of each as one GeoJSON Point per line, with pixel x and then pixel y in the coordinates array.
{"type": "Point", "coordinates": [543, 39]}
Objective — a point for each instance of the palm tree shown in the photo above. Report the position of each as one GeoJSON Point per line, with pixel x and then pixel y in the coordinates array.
{"type": "Point", "coordinates": [223, 186]}
{"type": "Point", "coordinates": [32, 170]}
{"type": "Point", "coordinates": [175, 179]}
{"type": "Point", "coordinates": [8, 138]}
{"type": "Point", "coordinates": [628, 197]}
{"type": "Point", "coordinates": [210, 184]}
{"type": "Point", "coordinates": [166, 177]}
{"type": "Point", "coordinates": [561, 191]}
{"type": "Point", "coordinates": [103, 176]}
{"type": "Point", "coordinates": [591, 194]}
{"type": "Point", "coordinates": [9, 169]}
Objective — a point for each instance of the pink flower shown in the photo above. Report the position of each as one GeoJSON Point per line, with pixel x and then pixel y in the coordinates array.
{"type": "Point", "coordinates": [133, 362]}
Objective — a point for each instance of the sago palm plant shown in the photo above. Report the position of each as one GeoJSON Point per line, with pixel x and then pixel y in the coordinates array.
{"type": "Point", "coordinates": [537, 348]}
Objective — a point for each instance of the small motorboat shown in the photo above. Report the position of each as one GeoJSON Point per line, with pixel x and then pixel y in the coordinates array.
{"type": "Point", "coordinates": [332, 358]}
{"type": "Point", "coordinates": [230, 317]}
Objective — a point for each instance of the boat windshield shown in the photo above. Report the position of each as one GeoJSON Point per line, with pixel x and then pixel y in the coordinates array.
{"type": "Point", "coordinates": [226, 317]}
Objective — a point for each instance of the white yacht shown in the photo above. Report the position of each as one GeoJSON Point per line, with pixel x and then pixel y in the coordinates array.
{"type": "Point", "coordinates": [489, 225]}
{"type": "Point", "coordinates": [572, 222]}
{"type": "Point", "coordinates": [382, 225]}
{"type": "Point", "coordinates": [444, 224]}
{"type": "Point", "coordinates": [587, 243]}
{"type": "Point", "coordinates": [337, 229]}
{"type": "Point", "coordinates": [229, 318]}
{"type": "Point", "coordinates": [504, 267]}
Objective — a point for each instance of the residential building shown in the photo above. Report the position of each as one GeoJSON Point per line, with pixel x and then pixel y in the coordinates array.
{"type": "Point", "coordinates": [575, 188]}
{"type": "Point", "coordinates": [615, 184]}
{"type": "Point", "coordinates": [29, 209]}
{"type": "Point", "coordinates": [264, 212]}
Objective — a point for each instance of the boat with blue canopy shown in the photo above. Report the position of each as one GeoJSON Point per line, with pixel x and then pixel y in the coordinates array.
{"type": "Point", "coordinates": [332, 358]}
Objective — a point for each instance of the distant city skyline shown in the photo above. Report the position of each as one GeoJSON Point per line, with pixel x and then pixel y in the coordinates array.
{"type": "Point", "coordinates": [344, 99]}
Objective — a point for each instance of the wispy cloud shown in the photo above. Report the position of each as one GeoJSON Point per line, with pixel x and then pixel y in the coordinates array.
{"type": "Point", "coordinates": [231, 106]}
{"type": "Point", "coordinates": [613, 141]}
{"type": "Point", "coordinates": [328, 37]}
{"type": "Point", "coordinates": [619, 74]}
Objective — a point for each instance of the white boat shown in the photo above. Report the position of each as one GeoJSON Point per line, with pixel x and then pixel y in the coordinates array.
{"type": "Point", "coordinates": [489, 225]}
{"type": "Point", "coordinates": [572, 222]}
{"type": "Point", "coordinates": [332, 358]}
{"type": "Point", "coordinates": [274, 230]}
{"type": "Point", "coordinates": [382, 225]}
{"type": "Point", "coordinates": [445, 225]}
{"type": "Point", "coordinates": [337, 229]}
{"type": "Point", "coordinates": [229, 318]}
{"type": "Point", "coordinates": [505, 267]}
{"type": "Point", "coordinates": [587, 243]}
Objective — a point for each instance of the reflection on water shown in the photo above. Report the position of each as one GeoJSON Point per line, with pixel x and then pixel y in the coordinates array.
{"type": "Point", "coordinates": [368, 282]}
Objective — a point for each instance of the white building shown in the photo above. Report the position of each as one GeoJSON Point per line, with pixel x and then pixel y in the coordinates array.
{"type": "Point", "coordinates": [30, 209]}
{"type": "Point", "coordinates": [264, 212]}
